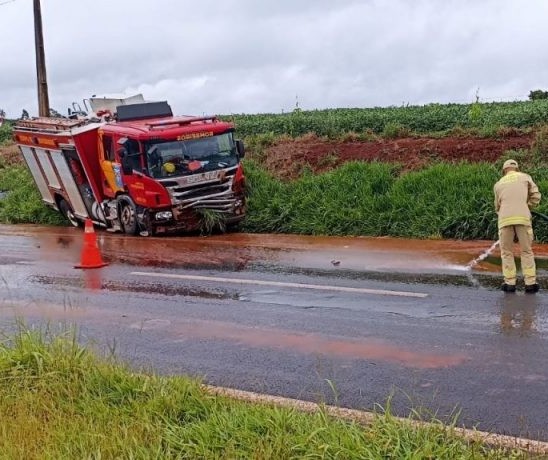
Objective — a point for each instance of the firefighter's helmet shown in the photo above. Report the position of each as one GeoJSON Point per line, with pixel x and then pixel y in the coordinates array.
{"type": "Point", "coordinates": [510, 164]}
{"type": "Point", "coordinates": [169, 167]}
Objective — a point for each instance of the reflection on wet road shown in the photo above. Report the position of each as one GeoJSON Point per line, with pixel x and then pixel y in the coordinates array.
{"type": "Point", "coordinates": [299, 317]}
{"type": "Point", "coordinates": [518, 314]}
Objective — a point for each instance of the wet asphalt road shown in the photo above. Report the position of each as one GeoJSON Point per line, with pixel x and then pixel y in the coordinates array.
{"type": "Point", "coordinates": [465, 348]}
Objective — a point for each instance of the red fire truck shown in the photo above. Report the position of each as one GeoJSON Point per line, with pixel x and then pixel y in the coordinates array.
{"type": "Point", "coordinates": [135, 168]}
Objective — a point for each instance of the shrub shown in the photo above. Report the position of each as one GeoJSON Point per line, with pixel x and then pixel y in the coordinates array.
{"type": "Point", "coordinates": [395, 130]}
{"type": "Point", "coordinates": [6, 133]}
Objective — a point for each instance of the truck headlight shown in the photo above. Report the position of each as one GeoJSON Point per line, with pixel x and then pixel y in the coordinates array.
{"type": "Point", "coordinates": [164, 215]}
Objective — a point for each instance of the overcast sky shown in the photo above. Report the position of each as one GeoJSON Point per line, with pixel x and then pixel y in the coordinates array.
{"type": "Point", "coordinates": [250, 56]}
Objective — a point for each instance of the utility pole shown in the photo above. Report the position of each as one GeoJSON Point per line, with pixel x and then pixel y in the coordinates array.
{"type": "Point", "coordinates": [43, 98]}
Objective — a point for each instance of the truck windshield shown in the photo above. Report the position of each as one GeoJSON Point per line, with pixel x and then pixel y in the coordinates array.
{"type": "Point", "coordinates": [177, 158]}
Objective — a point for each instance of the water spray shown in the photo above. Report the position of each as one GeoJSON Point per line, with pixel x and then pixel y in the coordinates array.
{"type": "Point", "coordinates": [482, 256]}
{"type": "Point", "coordinates": [489, 251]}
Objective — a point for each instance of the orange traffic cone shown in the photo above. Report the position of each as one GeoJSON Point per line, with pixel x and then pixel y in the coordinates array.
{"type": "Point", "coordinates": [91, 257]}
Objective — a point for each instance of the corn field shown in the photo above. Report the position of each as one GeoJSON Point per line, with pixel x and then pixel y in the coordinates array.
{"type": "Point", "coordinates": [431, 118]}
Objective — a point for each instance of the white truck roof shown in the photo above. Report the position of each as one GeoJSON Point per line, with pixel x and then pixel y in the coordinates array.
{"type": "Point", "coordinates": [112, 101]}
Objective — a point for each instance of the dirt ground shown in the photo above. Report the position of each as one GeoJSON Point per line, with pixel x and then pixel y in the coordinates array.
{"type": "Point", "coordinates": [287, 158]}
{"type": "Point", "coordinates": [10, 155]}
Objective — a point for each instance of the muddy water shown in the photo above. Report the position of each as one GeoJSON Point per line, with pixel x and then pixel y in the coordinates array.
{"type": "Point", "coordinates": [240, 251]}
{"type": "Point", "coordinates": [373, 349]}
{"type": "Point", "coordinates": [245, 251]}
{"type": "Point", "coordinates": [254, 337]}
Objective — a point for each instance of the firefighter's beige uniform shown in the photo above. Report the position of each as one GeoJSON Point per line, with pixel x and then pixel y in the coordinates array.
{"type": "Point", "coordinates": [515, 194]}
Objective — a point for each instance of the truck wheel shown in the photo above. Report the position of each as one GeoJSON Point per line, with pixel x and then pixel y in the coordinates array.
{"type": "Point", "coordinates": [128, 215]}
{"type": "Point", "coordinates": [67, 211]}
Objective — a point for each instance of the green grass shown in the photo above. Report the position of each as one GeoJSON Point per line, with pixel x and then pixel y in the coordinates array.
{"type": "Point", "coordinates": [210, 220]}
{"type": "Point", "coordinates": [5, 133]}
{"type": "Point", "coordinates": [358, 198]}
{"type": "Point", "coordinates": [58, 400]}
{"type": "Point", "coordinates": [374, 199]}
{"type": "Point", "coordinates": [23, 203]}
{"type": "Point", "coordinates": [393, 121]}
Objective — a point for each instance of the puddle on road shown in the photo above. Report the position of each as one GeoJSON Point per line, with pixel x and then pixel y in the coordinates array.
{"type": "Point", "coordinates": [180, 252]}
{"type": "Point", "coordinates": [408, 261]}
{"type": "Point", "coordinates": [370, 349]}
{"type": "Point", "coordinates": [519, 315]}
{"type": "Point", "coordinates": [96, 283]}
{"type": "Point", "coordinates": [43, 309]}
{"type": "Point", "coordinates": [307, 343]}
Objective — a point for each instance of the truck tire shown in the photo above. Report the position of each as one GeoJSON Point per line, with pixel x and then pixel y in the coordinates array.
{"type": "Point", "coordinates": [67, 211]}
{"type": "Point", "coordinates": [128, 215]}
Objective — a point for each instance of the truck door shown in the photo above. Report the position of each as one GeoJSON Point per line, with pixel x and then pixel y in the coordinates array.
{"type": "Point", "coordinates": [112, 173]}
{"type": "Point", "coordinates": [132, 169]}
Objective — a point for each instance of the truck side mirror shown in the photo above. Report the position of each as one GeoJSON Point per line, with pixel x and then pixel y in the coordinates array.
{"type": "Point", "coordinates": [127, 167]}
{"type": "Point", "coordinates": [240, 148]}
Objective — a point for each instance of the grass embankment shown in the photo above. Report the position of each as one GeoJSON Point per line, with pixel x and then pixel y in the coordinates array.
{"type": "Point", "coordinates": [58, 400]}
{"type": "Point", "coordinates": [441, 201]}
{"type": "Point", "coordinates": [22, 203]}
{"type": "Point", "coordinates": [5, 133]}
{"type": "Point", "coordinates": [374, 199]}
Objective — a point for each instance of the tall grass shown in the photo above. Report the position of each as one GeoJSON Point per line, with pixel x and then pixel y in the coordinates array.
{"type": "Point", "coordinates": [58, 400]}
{"type": "Point", "coordinates": [440, 201]}
{"type": "Point", "coordinates": [6, 132]}
{"type": "Point", "coordinates": [374, 199]}
{"type": "Point", "coordinates": [22, 202]}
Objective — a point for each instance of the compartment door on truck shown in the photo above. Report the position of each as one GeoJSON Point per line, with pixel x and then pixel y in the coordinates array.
{"type": "Point", "coordinates": [75, 182]}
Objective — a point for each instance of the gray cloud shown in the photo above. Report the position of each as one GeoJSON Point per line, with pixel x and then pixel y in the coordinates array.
{"type": "Point", "coordinates": [248, 56]}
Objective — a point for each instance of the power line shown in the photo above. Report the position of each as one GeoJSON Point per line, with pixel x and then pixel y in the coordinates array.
{"type": "Point", "coordinates": [6, 2]}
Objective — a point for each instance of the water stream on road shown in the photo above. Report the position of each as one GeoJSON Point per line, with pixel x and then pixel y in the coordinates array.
{"type": "Point", "coordinates": [473, 263]}
{"type": "Point", "coordinates": [482, 256]}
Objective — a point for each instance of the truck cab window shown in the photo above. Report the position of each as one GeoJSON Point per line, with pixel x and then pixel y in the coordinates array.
{"type": "Point", "coordinates": [133, 153]}
{"type": "Point", "coordinates": [108, 148]}
{"type": "Point", "coordinates": [190, 156]}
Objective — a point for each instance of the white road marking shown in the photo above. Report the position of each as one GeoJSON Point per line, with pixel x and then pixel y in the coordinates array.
{"type": "Point", "coordinates": [281, 284]}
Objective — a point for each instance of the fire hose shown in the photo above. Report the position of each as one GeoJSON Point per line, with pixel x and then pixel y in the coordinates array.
{"type": "Point", "coordinates": [538, 214]}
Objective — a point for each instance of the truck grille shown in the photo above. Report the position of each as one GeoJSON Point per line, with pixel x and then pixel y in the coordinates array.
{"type": "Point", "coordinates": [216, 194]}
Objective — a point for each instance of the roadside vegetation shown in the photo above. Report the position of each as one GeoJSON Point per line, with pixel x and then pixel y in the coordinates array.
{"type": "Point", "coordinates": [60, 400]}
{"type": "Point", "coordinates": [438, 199]}
{"type": "Point", "coordinates": [5, 133]}
{"type": "Point", "coordinates": [21, 202]}
{"type": "Point", "coordinates": [377, 199]}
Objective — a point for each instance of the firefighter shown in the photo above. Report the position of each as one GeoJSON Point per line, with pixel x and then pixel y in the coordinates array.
{"type": "Point", "coordinates": [515, 194]}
